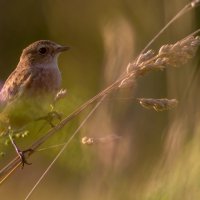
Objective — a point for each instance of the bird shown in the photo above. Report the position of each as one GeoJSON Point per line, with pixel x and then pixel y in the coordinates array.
{"type": "Point", "coordinates": [30, 88]}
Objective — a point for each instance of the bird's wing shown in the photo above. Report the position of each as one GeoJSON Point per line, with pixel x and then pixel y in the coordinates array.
{"type": "Point", "coordinates": [14, 86]}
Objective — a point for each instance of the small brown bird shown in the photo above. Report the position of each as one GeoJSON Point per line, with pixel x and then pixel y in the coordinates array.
{"type": "Point", "coordinates": [31, 87]}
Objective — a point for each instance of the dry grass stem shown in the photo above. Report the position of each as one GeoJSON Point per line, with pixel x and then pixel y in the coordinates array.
{"type": "Point", "coordinates": [169, 55]}
{"type": "Point", "coordinates": [187, 8]}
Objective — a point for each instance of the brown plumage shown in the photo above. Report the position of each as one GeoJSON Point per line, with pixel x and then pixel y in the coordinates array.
{"type": "Point", "coordinates": [30, 88]}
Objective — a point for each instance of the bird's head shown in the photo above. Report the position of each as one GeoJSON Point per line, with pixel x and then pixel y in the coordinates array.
{"type": "Point", "coordinates": [41, 53]}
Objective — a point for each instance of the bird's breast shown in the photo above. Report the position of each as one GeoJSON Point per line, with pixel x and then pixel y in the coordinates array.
{"type": "Point", "coordinates": [45, 81]}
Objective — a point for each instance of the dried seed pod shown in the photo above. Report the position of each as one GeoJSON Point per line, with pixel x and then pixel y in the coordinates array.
{"type": "Point", "coordinates": [146, 56]}
{"type": "Point", "coordinates": [106, 139]}
{"type": "Point", "coordinates": [87, 140]}
{"type": "Point", "coordinates": [158, 104]}
{"type": "Point", "coordinates": [164, 49]}
{"type": "Point", "coordinates": [131, 67]}
{"type": "Point", "coordinates": [61, 94]}
{"type": "Point", "coordinates": [180, 52]}
{"type": "Point", "coordinates": [196, 41]}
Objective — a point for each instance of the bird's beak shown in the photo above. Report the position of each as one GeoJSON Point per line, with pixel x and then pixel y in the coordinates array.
{"type": "Point", "coordinates": [62, 48]}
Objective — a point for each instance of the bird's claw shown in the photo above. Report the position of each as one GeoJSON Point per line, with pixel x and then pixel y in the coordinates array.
{"type": "Point", "coordinates": [50, 117]}
{"type": "Point", "coordinates": [54, 114]}
{"type": "Point", "coordinates": [22, 156]}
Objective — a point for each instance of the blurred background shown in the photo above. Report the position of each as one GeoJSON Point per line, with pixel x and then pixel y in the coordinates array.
{"type": "Point", "coordinates": [158, 154]}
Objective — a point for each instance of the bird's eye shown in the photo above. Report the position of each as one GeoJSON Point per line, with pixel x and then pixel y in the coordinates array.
{"type": "Point", "coordinates": [43, 50]}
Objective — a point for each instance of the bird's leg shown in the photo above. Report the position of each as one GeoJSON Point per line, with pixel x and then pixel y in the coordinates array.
{"type": "Point", "coordinates": [50, 117]}
{"type": "Point", "coordinates": [21, 154]}
{"type": "Point", "coordinates": [54, 114]}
